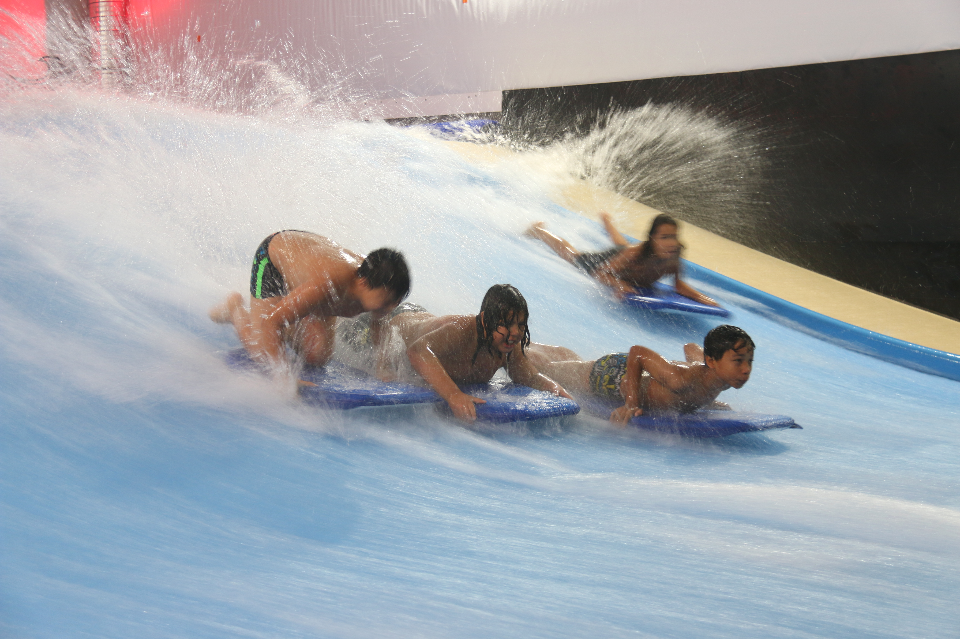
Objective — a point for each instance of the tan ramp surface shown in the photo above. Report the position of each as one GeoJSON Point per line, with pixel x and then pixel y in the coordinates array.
{"type": "Point", "coordinates": [805, 288]}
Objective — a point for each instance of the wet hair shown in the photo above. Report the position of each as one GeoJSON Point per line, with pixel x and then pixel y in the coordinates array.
{"type": "Point", "coordinates": [386, 268]}
{"type": "Point", "coordinates": [724, 338]}
{"type": "Point", "coordinates": [660, 220]}
{"type": "Point", "coordinates": [501, 306]}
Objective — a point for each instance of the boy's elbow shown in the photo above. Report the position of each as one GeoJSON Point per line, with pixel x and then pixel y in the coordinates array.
{"type": "Point", "coordinates": [639, 352]}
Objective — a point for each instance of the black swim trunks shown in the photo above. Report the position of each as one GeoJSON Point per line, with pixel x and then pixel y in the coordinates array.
{"type": "Point", "coordinates": [590, 262]}
{"type": "Point", "coordinates": [265, 280]}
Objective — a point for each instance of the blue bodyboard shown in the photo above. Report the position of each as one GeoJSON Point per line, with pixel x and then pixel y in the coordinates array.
{"type": "Point", "coordinates": [337, 385]}
{"type": "Point", "coordinates": [663, 297]}
{"type": "Point", "coordinates": [507, 402]}
{"type": "Point", "coordinates": [701, 423]}
{"type": "Point", "coordinates": [460, 129]}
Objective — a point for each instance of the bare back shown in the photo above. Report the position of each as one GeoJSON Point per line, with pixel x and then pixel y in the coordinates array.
{"type": "Point", "coordinates": [318, 280]}
{"type": "Point", "coordinates": [695, 392]}
{"type": "Point", "coordinates": [453, 340]}
{"type": "Point", "coordinates": [636, 270]}
{"type": "Point", "coordinates": [303, 256]}
{"type": "Point", "coordinates": [309, 261]}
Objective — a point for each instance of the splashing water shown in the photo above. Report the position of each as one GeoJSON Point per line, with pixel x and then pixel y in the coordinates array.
{"type": "Point", "coordinates": [703, 168]}
{"type": "Point", "coordinates": [146, 490]}
{"type": "Point", "coordinates": [677, 160]}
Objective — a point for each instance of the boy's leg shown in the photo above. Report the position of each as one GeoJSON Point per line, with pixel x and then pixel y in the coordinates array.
{"type": "Point", "coordinates": [557, 244]}
{"type": "Point", "coordinates": [537, 353]}
{"type": "Point", "coordinates": [561, 365]}
{"type": "Point", "coordinates": [223, 313]}
{"type": "Point", "coordinates": [246, 323]}
{"type": "Point", "coordinates": [313, 339]}
{"type": "Point", "coordinates": [573, 375]}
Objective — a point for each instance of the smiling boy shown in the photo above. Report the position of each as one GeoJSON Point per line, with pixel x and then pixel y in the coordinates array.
{"type": "Point", "coordinates": [645, 381]}
{"type": "Point", "coordinates": [467, 349]}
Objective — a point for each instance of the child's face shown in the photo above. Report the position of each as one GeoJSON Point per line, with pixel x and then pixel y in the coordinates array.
{"type": "Point", "coordinates": [379, 299]}
{"type": "Point", "coordinates": [665, 242]}
{"type": "Point", "coordinates": [734, 367]}
{"type": "Point", "coordinates": [506, 337]}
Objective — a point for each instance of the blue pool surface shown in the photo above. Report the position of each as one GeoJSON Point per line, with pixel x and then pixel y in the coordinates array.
{"type": "Point", "coordinates": [148, 490]}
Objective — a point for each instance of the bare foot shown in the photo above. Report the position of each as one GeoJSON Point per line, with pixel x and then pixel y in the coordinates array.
{"type": "Point", "coordinates": [223, 313]}
{"type": "Point", "coordinates": [534, 230]}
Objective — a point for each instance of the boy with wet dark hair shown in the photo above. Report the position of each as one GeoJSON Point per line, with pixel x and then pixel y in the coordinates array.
{"type": "Point", "coordinates": [386, 268]}
{"type": "Point", "coordinates": [451, 350]}
{"type": "Point", "coordinates": [645, 381]}
{"type": "Point", "coordinates": [722, 339]}
{"type": "Point", "coordinates": [500, 306]}
{"type": "Point", "coordinates": [299, 284]}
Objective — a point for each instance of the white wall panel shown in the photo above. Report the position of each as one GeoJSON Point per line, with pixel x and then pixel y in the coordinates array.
{"type": "Point", "coordinates": [394, 48]}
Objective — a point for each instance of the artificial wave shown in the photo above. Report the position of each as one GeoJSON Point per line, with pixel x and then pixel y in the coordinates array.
{"type": "Point", "coordinates": [148, 490]}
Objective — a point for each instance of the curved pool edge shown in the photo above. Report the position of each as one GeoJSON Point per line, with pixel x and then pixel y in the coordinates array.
{"type": "Point", "coordinates": [817, 318]}
{"type": "Point", "coordinates": [862, 340]}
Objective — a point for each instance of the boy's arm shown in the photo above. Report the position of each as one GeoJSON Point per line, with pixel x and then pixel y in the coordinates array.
{"type": "Point", "coordinates": [385, 368]}
{"type": "Point", "coordinates": [378, 327]}
{"type": "Point", "coordinates": [320, 293]}
{"type": "Point", "coordinates": [632, 397]}
{"type": "Point", "coordinates": [423, 357]}
{"type": "Point", "coordinates": [379, 330]}
{"type": "Point", "coordinates": [292, 307]}
{"type": "Point", "coordinates": [673, 376]}
{"type": "Point", "coordinates": [522, 371]}
{"type": "Point", "coordinates": [615, 236]}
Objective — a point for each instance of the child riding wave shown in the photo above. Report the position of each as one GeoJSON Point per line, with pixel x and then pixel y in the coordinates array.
{"type": "Point", "coordinates": [452, 350]}
{"type": "Point", "coordinates": [299, 284]}
{"type": "Point", "coordinates": [627, 267]}
{"type": "Point", "coordinates": [646, 382]}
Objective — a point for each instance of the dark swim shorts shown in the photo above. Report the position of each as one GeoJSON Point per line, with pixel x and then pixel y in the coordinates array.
{"type": "Point", "coordinates": [590, 262]}
{"type": "Point", "coordinates": [606, 374]}
{"type": "Point", "coordinates": [265, 279]}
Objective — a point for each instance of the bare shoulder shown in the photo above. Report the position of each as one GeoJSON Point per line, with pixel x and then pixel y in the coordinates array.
{"type": "Point", "coordinates": [693, 372]}
{"type": "Point", "coordinates": [448, 330]}
{"type": "Point", "coordinates": [306, 257]}
{"type": "Point", "coordinates": [693, 353]}
{"type": "Point", "coordinates": [301, 244]}
{"type": "Point", "coordinates": [685, 372]}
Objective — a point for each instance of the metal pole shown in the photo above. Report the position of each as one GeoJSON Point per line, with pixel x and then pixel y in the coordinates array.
{"type": "Point", "coordinates": [106, 14]}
